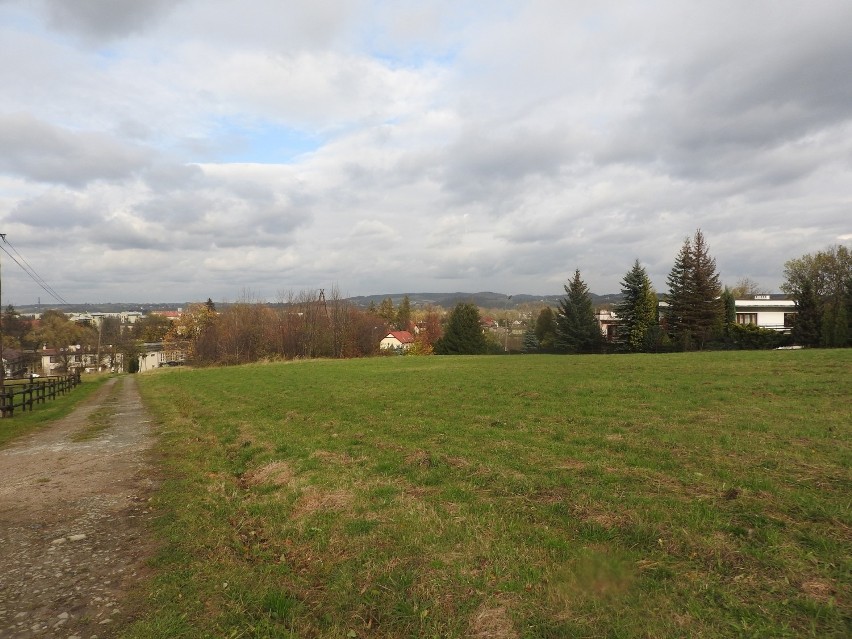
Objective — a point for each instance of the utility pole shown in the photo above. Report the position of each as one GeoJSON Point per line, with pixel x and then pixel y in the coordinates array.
{"type": "Point", "coordinates": [2, 363]}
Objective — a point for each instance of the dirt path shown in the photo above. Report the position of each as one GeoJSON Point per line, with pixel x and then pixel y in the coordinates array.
{"type": "Point", "coordinates": [74, 519]}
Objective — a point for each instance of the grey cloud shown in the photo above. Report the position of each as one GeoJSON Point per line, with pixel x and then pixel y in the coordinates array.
{"type": "Point", "coordinates": [710, 110]}
{"type": "Point", "coordinates": [493, 157]}
{"type": "Point", "coordinates": [45, 153]}
{"type": "Point", "coordinates": [168, 177]}
{"type": "Point", "coordinates": [106, 19]}
{"type": "Point", "coordinates": [119, 234]}
{"type": "Point", "coordinates": [56, 209]}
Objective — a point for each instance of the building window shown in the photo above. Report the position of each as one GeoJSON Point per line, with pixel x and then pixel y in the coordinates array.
{"type": "Point", "coordinates": [746, 318]}
{"type": "Point", "coordinates": [789, 319]}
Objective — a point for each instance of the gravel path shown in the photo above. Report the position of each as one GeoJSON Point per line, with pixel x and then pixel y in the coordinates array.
{"type": "Point", "coordinates": [74, 519]}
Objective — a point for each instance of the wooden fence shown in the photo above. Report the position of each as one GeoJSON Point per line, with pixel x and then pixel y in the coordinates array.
{"type": "Point", "coordinates": [34, 391]}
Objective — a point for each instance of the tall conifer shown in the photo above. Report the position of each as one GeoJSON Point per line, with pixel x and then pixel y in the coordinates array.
{"type": "Point", "coordinates": [637, 312]}
{"type": "Point", "coordinates": [577, 329]}
{"type": "Point", "coordinates": [695, 310]}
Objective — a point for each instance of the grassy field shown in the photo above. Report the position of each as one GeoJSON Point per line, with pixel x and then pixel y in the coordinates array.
{"type": "Point", "coordinates": [699, 495]}
{"type": "Point", "coordinates": [52, 409]}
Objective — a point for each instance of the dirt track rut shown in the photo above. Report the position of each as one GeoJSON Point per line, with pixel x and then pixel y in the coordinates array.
{"type": "Point", "coordinates": [74, 519]}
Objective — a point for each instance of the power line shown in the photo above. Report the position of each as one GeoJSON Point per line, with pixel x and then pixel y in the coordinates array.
{"type": "Point", "coordinates": [39, 278]}
{"type": "Point", "coordinates": [29, 270]}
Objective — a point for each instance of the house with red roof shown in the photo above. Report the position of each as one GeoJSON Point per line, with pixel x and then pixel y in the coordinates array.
{"type": "Point", "coordinates": [397, 340]}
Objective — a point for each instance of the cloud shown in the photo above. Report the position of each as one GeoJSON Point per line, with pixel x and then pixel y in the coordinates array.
{"type": "Point", "coordinates": [45, 153]}
{"type": "Point", "coordinates": [98, 20]}
{"type": "Point", "coordinates": [200, 147]}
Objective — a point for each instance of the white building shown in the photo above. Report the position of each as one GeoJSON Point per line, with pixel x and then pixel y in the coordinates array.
{"type": "Point", "coordinates": [158, 354]}
{"type": "Point", "coordinates": [397, 340]}
{"type": "Point", "coordinates": [767, 311]}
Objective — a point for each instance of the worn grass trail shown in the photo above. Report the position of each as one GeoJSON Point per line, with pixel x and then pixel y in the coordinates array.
{"type": "Point", "coordinates": [700, 495]}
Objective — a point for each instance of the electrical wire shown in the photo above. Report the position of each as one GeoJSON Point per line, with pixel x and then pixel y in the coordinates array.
{"type": "Point", "coordinates": [29, 270]}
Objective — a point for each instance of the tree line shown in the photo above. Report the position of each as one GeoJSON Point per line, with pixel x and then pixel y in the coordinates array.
{"type": "Point", "coordinates": [696, 313]}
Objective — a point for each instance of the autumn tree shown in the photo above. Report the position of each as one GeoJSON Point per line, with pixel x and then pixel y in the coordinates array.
{"type": "Point", "coordinates": [577, 329]}
{"type": "Point", "coordinates": [637, 312]}
{"type": "Point", "coordinates": [821, 285]}
{"type": "Point", "coordinates": [56, 331]}
{"type": "Point", "coordinates": [428, 332]}
{"type": "Point", "coordinates": [240, 334]}
{"type": "Point", "coordinates": [197, 326]}
{"type": "Point", "coordinates": [153, 327]}
{"type": "Point", "coordinates": [747, 288]}
{"type": "Point", "coordinates": [695, 310]}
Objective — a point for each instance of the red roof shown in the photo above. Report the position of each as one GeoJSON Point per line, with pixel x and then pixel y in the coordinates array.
{"type": "Point", "coordinates": [404, 337]}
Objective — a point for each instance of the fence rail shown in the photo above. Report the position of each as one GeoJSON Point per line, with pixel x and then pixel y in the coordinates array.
{"type": "Point", "coordinates": [34, 391]}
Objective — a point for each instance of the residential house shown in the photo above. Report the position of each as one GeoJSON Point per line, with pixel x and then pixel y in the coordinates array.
{"type": "Point", "coordinates": [397, 340]}
{"type": "Point", "coordinates": [17, 363]}
{"type": "Point", "coordinates": [767, 311]}
{"type": "Point", "coordinates": [607, 321]}
{"type": "Point", "coordinates": [59, 361]}
{"type": "Point", "coordinates": [159, 354]}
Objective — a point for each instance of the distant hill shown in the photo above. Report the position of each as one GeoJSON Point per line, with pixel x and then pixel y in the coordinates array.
{"type": "Point", "coordinates": [484, 299]}
{"type": "Point", "coordinates": [106, 307]}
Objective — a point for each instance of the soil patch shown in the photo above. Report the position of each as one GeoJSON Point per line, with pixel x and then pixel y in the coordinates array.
{"type": "Point", "coordinates": [74, 519]}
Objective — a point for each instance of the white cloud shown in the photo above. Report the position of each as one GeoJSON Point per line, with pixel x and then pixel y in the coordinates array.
{"type": "Point", "coordinates": [407, 145]}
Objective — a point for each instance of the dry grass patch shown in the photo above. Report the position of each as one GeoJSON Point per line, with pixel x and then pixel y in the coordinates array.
{"type": "Point", "coordinates": [571, 464]}
{"type": "Point", "coordinates": [419, 458]}
{"type": "Point", "coordinates": [277, 473]}
{"type": "Point", "coordinates": [492, 623]}
{"type": "Point", "coordinates": [333, 458]}
{"type": "Point", "coordinates": [316, 499]}
{"type": "Point", "coordinates": [819, 590]}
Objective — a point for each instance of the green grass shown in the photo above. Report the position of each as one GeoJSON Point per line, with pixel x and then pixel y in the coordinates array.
{"type": "Point", "coordinates": [52, 409]}
{"type": "Point", "coordinates": [701, 495]}
{"type": "Point", "coordinates": [100, 419]}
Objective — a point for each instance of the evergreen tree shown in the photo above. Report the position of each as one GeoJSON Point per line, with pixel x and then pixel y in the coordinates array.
{"type": "Point", "coordinates": [530, 341]}
{"type": "Point", "coordinates": [387, 312]}
{"type": "Point", "coordinates": [463, 333]}
{"type": "Point", "coordinates": [835, 326]}
{"type": "Point", "coordinates": [577, 329]}
{"type": "Point", "coordinates": [403, 315]}
{"type": "Point", "coordinates": [806, 326]}
{"type": "Point", "coordinates": [545, 329]}
{"type": "Point", "coordinates": [14, 328]}
{"type": "Point", "coordinates": [677, 312]}
{"type": "Point", "coordinates": [729, 303]}
{"type": "Point", "coordinates": [707, 306]}
{"type": "Point", "coordinates": [637, 312]}
{"type": "Point", "coordinates": [695, 309]}
{"type": "Point", "coordinates": [820, 285]}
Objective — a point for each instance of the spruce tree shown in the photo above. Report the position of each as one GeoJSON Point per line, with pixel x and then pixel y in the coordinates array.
{"type": "Point", "coordinates": [577, 329]}
{"type": "Point", "coordinates": [463, 333]}
{"type": "Point", "coordinates": [530, 341]}
{"type": "Point", "coordinates": [637, 312]}
{"type": "Point", "coordinates": [695, 310]}
{"type": "Point", "coordinates": [545, 329]}
{"type": "Point", "coordinates": [707, 307]}
{"type": "Point", "coordinates": [403, 315]}
{"type": "Point", "coordinates": [806, 326]}
{"type": "Point", "coordinates": [676, 313]}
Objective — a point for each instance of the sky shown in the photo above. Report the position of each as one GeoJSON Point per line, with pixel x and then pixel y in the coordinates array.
{"type": "Point", "coordinates": [175, 150]}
